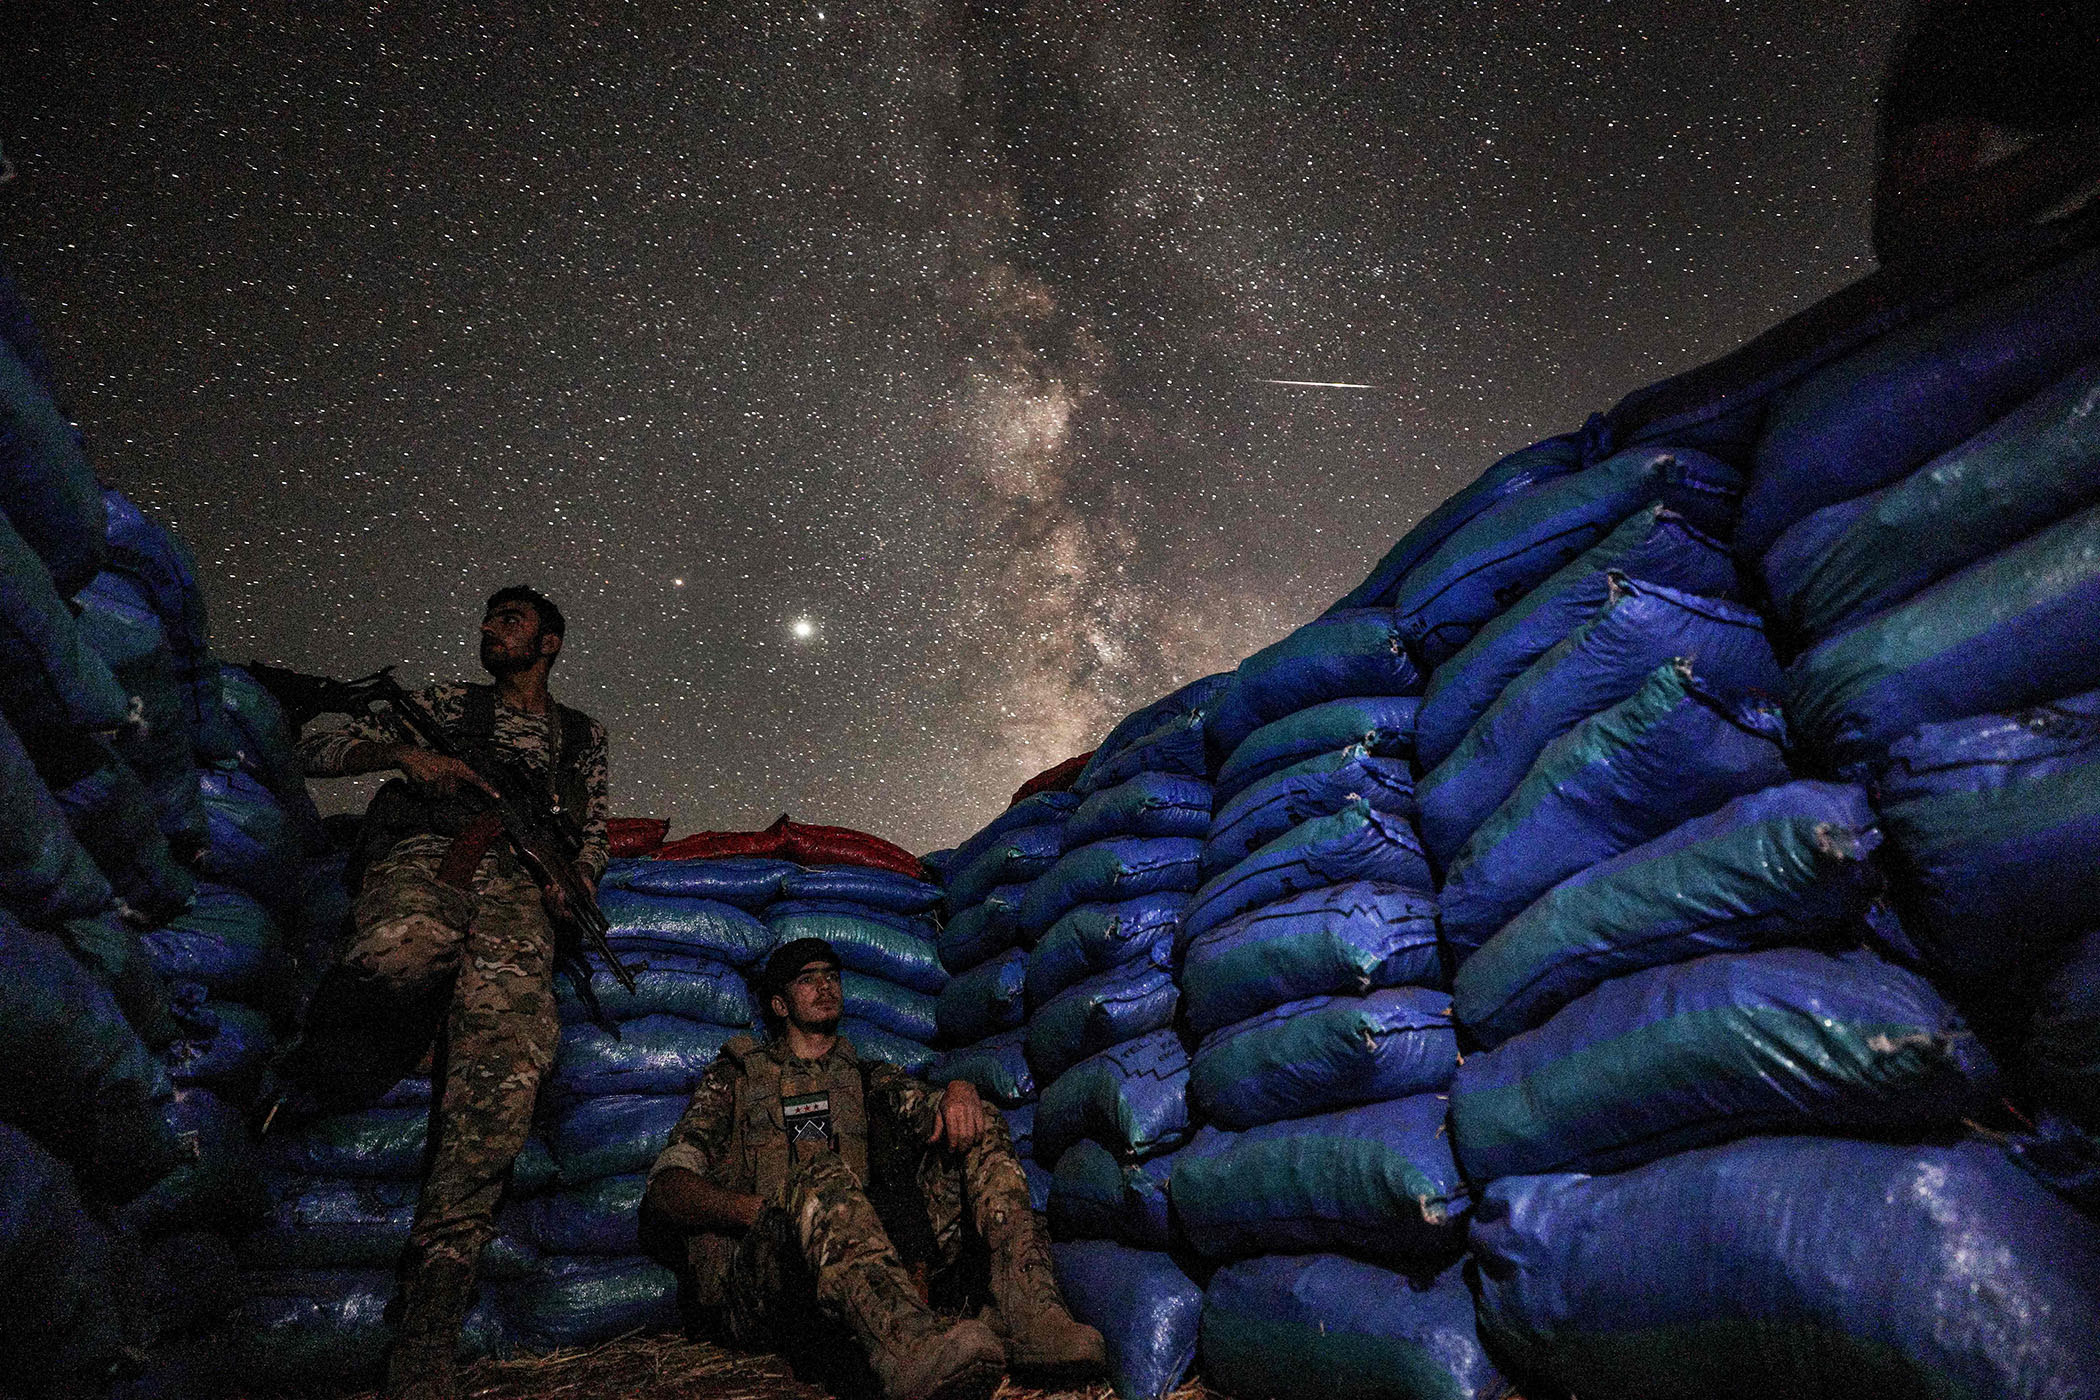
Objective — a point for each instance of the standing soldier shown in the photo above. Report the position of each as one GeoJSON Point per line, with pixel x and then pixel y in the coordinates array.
{"type": "Point", "coordinates": [451, 928]}
{"type": "Point", "coordinates": [770, 1172]}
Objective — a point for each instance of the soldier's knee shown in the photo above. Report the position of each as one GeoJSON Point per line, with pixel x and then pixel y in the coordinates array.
{"type": "Point", "coordinates": [406, 950]}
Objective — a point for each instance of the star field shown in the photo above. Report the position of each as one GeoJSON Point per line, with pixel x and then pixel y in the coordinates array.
{"type": "Point", "coordinates": [880, 389]}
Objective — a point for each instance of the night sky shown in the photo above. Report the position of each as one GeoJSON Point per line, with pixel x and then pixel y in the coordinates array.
{"type": "Point", "coordinates": [879, 389]}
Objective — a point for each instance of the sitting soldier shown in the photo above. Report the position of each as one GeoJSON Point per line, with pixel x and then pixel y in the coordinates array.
{"type": "Point", "coordinates": [769, 1176]}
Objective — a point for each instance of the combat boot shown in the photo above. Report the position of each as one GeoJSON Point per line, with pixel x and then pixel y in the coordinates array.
{"type": "Point", "coordinates": [421, 1363]}
{"type": "Point", "coordinates": [1045, 1344]}
{"type": "Point", "coordinates": [913, 1352]}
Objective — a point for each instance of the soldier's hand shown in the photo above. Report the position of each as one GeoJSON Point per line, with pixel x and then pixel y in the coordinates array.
{"type": "Point", "coordinates": [436, 772]}
{"type": "Point", "coordinates": [961, 1120]}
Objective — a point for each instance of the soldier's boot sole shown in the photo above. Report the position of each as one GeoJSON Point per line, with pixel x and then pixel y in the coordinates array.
{"type": "Point", "coordinates": [965, 1362]}
{"type": "Point", "coordinates": [1057, 1355]}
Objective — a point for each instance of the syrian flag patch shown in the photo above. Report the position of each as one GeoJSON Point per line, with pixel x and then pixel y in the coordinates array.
{"type": "Point", "coordinates": [808, 1118]}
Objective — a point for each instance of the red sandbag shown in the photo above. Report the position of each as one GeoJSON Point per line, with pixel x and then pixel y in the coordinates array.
{"type": "Point", "coordinates": [635, 836]}
{"type": "Point", "coordinates": [1056, 779]}
{"type": "Point", "coordinates": [799, 842]}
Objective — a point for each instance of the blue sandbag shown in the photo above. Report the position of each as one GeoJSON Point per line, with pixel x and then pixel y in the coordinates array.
{"type": "Point", "coordinates": [584, 1301]}
{"type": "Point", "coordinates": [984, 1001]}
{"type": "Point", "coordinates": [1150, 804]}
{"type": "Point", "coordinates": [1040, 1182]}
{"type": "Point", "coordinates": [308, 1328]}
{"type": "Point", "coordinates": [1109, 872]}
{"type": "Point", "coordinates": [1790, 864]}
{"type": "Point", "coordinates": [1016, 859]}
{"type": "Point", "coordinates": [47, 489]}
{"type": "Point", "coordinates": [1993, 827]}
{"type": "Point", "coordinates": [1874, 416]}
{"type": "Point", "coordinates": [1020, 1125]}
{"type": "Point", "coordinates": [156, 560]}
{"type": "Point", "coordinates": [2033, 467]}
{"type": "Point", "coordinates": [939, 864]}
{"type": "Point", "coordinates": [1498, 558]}
{"type": "Point", "coordinates": [249, 843]}
{"type": "Point", "coordinates": [1377, 1182]}
{"type": "Point", "coordinates": [898, 1010]}
{"type": "Point", "coordinates": [62, 1279]}
{"type": "Point", "coordinates": [46, 875]}
{"type": "Point", "coordinates": [2061, 1057]}
{"type": "Point", "coordinates": [1130, 1098]}
{"type": "Point", "coordinates": [323, 1223]}
{"type": "Point", "coordinates": [1029, 811]}
{"type": "Point", "coordinates": [118, 623]}
{"type": "Point", "coordinates": [1096, 937]}
{"type": "Point", "coordinates": [383, 1144]}
{"type": "Point", "coordinates": [1095, 1197]}
{"type": "Point", "coordinates": [1144, 1306]}
{"type": "Point", "coordinates": [1324, 1053]}
{"type": "Point", "coordinates": [983, 930]}
{"type": "Point", "coordinates": [614, 1135]}
{"type": "Point", "coordinates": [1195, 698]}
{"type": "Point", "coordinates": [746, 882]}
{"type": "Point", "coordinates": [862, 884]}
{"type": "Point", "coordinates": [266, 745]}
{"type": "Point", "coordinates": [997, 1065]}
{"type": "Point", "coordinates": [1343, 654]}
{"type": "Point", "coordinates": [1317, 787]}
{"type": "Point", "coordinates": [1671, 751]}
{"type": "Point", "coordinates": [2012, 631]}
{"type": "Point", "coordinates": [654, 1055]}
{"type": "Point", "coordinates": [1176, 746]}
{"type": "Point", "coordinates": [1383, 724]}
{"type": "Point", "coordinates": [1519, 472]}
{"type": "Point", "coordinates": [218, 1185]}
{"type": "Point", "coordinates": [1655, 545]}
{"type": "Point", "coordinates": [1794, 1266]}
{"type": "Point", "coordinates": [50, 680]}
{"type": "Point", "coordinates": [225, 1045]}
{"type": "Point", "coordinates": [1675, 1057]}
{"type": "Point", "coordinates": [112, 815]}
{"type": "Point", "coordinates": [1105, 1009]}
{"type": "Point", "coordinates": [1601, 663]}
{"type": "Point", "coordinates": [1321, 1327]}
{"type": "Point", "coordinates": [226, 943]}
{"type": "Point", "coordinates": [895, 947]}
{"type": "Point", "coordinates": [647, 922]}
{"type": "Point", "coordinates": [873, 1042]}
{"type": "Point", "coordinates": [600, 1217]}
{"type": "Point", "coordinates": [1345, 939]}
{"type": "Point", "coordinates": [1356, 843]}
{"type": "Point", "coordinates": [673, 984]}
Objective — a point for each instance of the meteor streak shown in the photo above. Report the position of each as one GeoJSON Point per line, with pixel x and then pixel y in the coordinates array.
{"type": "Point", "coordinates": [1315, 384]}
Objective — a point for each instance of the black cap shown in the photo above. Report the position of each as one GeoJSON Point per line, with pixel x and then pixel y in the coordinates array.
{"type": "Point", "coordinates": [789, 959]}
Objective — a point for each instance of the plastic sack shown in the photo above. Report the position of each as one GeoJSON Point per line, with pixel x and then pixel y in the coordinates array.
{"type": "Point", "coordinates": [112, 816]}
{"type": "Point", "coordinates": [661, 923]}
{"type": "Point", "coordinates": [1058, 777]}
{"type": "Point", "coordinates": [801, 842]}
{"type": "Point", "coordinates": [1031, 811]}
{"type": "Point", "coordinates": [161, 566]}
{"type": "Point", "coordinates": [997, 1065]}
{"type": "Point", "coordinates": [119, 624]}
{"type": "Point", "coordinates": [1175, 747]}
{"type": "Point", "coordinates": [225, 1046]}
{"type": "Point", "coordinates": [325, 1327]}
{"type": "Point", "coordinates": [1786, 1040]}
{"type": "Point", "coordinates": [1317, 787]}
{"type": "Point", "coordinates": [1356, 843]}
{"type": "Point", "coordinates": [898, 1010]}
{"type": "Point", "coordinates": [1109, 872]}
{"type": "Point", "coordinates": [984, 1001]}
{"type": "Point", "coordinates": [613, 1136]}
{"type": "Point", "coordinates": [1321, 1327]}
{"type": "Point", "coordinates": [264, 741]}
{"type": "Point", "coordinates": [983, 930]}
{"type": "Point", "coordinates": [745, 882]}
{"type": "Point", "coordinates": [1018, 858]}
{"type": "Point", "coordinates": [65, 1279]}
{"type": "Point", "coordinates": [1846, 562]}
{"type": "Point", "coordinates": [653, 1055]}
{"type": "Point", "coordinates": [1096, 937]}
{"type": "Point", "coordinates": [2061, 1058]}
{"type": "Point", "coordinates": [635, 836]}
{"type": "Point", "coordinates": [1194, 698]}
{"type": "Point", "coordinates": [1376, 1181]}
{"type": "Point", "coordinates": [50, 679]}
{"type": "Point", "coordinates": [1095, 1197]}
{"type": "Point", "coordinates": [1383, 724]}
{"type": "Point", "coordinates": [1840, 1267]}
{"type": "Point", "coordinates": [1655, 545]}
{"type": "Point", "coordinates": [1347, 939]}
{"type": "Point", "coordinates": [896, 947]}
{"type": "Point", "coordinates": [1671, 751]}
{"type": "Point", "coordinates": [216, 1186]}
{"type": "Point", "coordinates": [1130, 1098]}
{"type": "Point", "coordinates": [320, 1223]}
{"type": "Point", "coordinates": [1144, 1306]}
{"type": "Point", "coordinates": [1499, 557]}
{"type": "Point", "coordinates": [1601, 663]}
{"type": "Point", "coordinates": [1343, 654]}
{"type": "Point", "coordinates": [670, 984]}
{"type": "Point", "coordinates": [226, 943]}
{"type": "Point", "coordinates": [582, 1302]}
{"type": "Point", "coordinates": [875, 1043]}
{"type": "Point", "coordinates": [1105, 1009]}
{"type": "Point", "coordinates": [1993, 827]}
{"type": "Point", "coordinates": [600, 1217]}
{"type": "Point", "coordinates": [46, 875]}
{"type": "Point", "coordinates": [861, 884]}
{"type": "Point", "coordinates": [2012, 631]}
{"type": "Point", "coordinates": [384, 1144]}
{"type": "Point", "coordinates": [1324, 1053]}
{"type": "Point", "coordinates": [46, 486]}
{"type": "Point", "coordinates": [1150, 804]}
{"type": "Point", "coordinates": [249, 843]}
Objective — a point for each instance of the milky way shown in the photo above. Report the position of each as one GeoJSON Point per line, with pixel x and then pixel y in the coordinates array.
{"type": "Point", "coordinates": [891, 396]}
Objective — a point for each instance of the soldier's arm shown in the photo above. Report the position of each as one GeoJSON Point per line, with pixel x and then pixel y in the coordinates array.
{"type": "Point", "coordinates": [368, 745]}
{"type": "Point", "coordinates": [953, 1113]}
{"type": "Point", "coordinates": [680, 1187]}
{"type": "Point", "coordinates": [590, 862]}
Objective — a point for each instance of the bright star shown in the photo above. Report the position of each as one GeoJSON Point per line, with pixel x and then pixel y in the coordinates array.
{"type": "Point", "coordinates": [677, 583]}
{"type": "Point", "coordinates": [803, 629]}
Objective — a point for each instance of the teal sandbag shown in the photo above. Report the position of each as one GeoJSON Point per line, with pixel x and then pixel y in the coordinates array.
{"type": "Point", "coordinates": [324, 1223]}
{"type": "Point", "coordinates": [112, 814]}
{"type": "Point", "coordinates": [1177, 746]}
{"type": "Point", "coordinates": [1793, 1266]}
{"type": "Point", "coordinates": [996, 1065]}
{"type": "Point", "coordinates": [226, 943]}
{"type": "Point", "coordinates": [1383, 724]}
{"type": "Point", "coordinates": [886, 890]}
{"type": "Point", "coordinates": [1848, 561]}
{"type": "Point", "coordinates": [1108, 872]}
{"type": "Point", "coordinates": [266, 747]}
{"type": "Point", "coordinates": [982, 931]}
{"type": "Point", "coordinates": [380, 1144]}
{"type": "Point", "coordinates": [1790, 864]}
{"type": "Point", "coordinates": [1105, 1009]}
{"type": "Point", "coordinates": [1498, 557]}
{"type": "Point", "coordinates": [581, 1302]}
{"type": "Point", "coordinates": [1342, 654]}
{"type": "Point", "coordinates": [645, 922]}
{"type": "Point", "coordinates": [1512, 475]}
{"type": "Point", "coordinates": [984, 1001]}
{"type": "Point", "coordinates": [160, 747]}
{"type": "Point", "coordinates": [599, 1217]}
{"type": "Point", "coordinates": [225, 1046]}
{"type": "Point", "coordinates": [112, 952]}
{"type": "Point", "coordinates": [1015, 859]}
{"type": "Point", "coordinates": [1376, 1181]}
{"type": "Point", "coordinates": [1164, 720]}
{"type": "Point", "coordinates": [890, 1007]}
{"type": "Point", "coordinates": [217, 1185]}
{"type": "Point", "coordinates": [672, 984]}
{"type": "Point", "coordinates": [741, 882]}
{"type": "Point", "coordinates": [2061, 1057]}
{"type": "Point", "coordinates": [156, 560]}
{"type": "Point", "coordinates": [1324, 1053]}
{"type": "Point", "coordinates": [1676, 1057]}
{"type": "Point", "coordinates": [1144, 1306]}
{"type": "Point", "coordinates": [613, 1136]}
{"type": "Point", "coordinates": [1150, 804]}
{"type": "Point", "coordinates": [1054, 807]}
{"type": "Point", "coordinates": [251, 844]}
{"type": "Point", "coordinates": [2011, 631]}
{"type": "Point", "coordinates": [1096, 937]}
{"type": "Point", "coordinates": [1322, 1327]}
{"type": "Point", "coordinates": [305, 1328]}
{"type": "Point", "coordinates": [47, 490]}
{"type": "Point", "coordinates": [1993, 827]}
{"type": "Point", "coordinates": [874, 1042]}
{"type": "Point", "coordinates": [1095, 1197]}
{"type": "Point", "coordinates": [654, 1055]}
{"type": "Point", "coordinates": [65, 1280]}
{"type": "Point", "coordinates": [1671, 751]}
{"type": "Point", "coordinates": [51, 681]}
{"type": "Point", "coordinates": [1874, 416]}
{"type": "Point", "coordinates": [1656, 545]}
{"type": "Point", "coordinates": [1316, 787]}
{"type": "Point", "coordinates": [1130, 1098]}
{"type": "Point", "coordinates": [46, 875]}
{"type": "Point", "coordinates": [1356, 843]}
{"type": "Point", "coordinates": [1640, 627]}
{"type": "Point", "coordinates": [899, 948]}
{"type": "Point", "coordinates": [1347, 939]}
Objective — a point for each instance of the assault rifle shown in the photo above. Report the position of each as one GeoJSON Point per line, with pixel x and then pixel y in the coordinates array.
{"type": "Point", "coordinates": [546, 846]}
